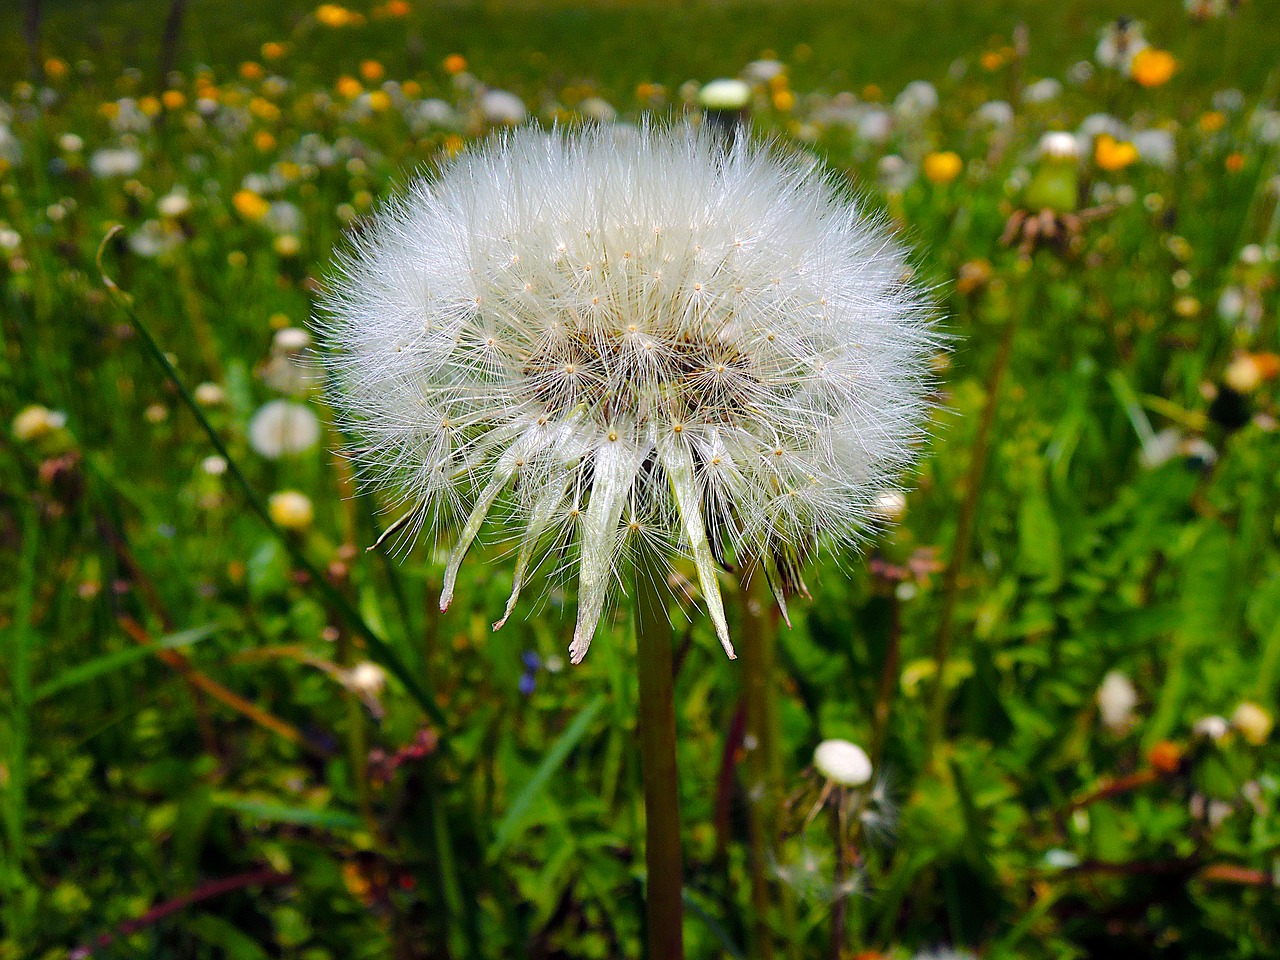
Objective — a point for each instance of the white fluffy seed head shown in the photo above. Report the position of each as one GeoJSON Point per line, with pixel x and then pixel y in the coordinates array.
{"type": "Point", "coordinates": [620, 335]}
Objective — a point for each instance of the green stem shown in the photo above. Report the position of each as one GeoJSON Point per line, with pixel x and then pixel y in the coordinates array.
{"type": "Point", "coordinates": [964, 527]}
{"type": "Point", "coordinates": [664, 907]}
{"type": "Point", "coordinates": [763, 766]}
{"type": "Point", "coordinates": [378, 647]}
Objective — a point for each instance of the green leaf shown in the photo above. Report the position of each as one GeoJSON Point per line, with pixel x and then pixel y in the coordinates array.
{"type": "Point", "coordinates": [550, 763]}
{"type": "Point", "coordinates": [280, 813]}
{"type": "Point", "coordinates": [231, 942]}
{"type": "Point", "coordinates": [91, 669]}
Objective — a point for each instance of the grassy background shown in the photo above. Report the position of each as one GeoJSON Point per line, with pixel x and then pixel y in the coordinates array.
{"type": "Point", "coordinates": [123, 788]}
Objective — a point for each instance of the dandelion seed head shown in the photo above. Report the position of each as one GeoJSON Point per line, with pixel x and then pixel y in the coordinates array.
{"type": "Point", "coordinates": [616, 337]}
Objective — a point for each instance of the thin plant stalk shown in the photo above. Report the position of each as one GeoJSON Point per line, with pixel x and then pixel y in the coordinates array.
{"type": "Point", "coordinates": [377, 646]}
{"type": "Point", "coordinates": [965, 524]}
{"type": "Point", "coordinates": [888, 680]}
{"type": "Point", "coordinates": [664, 905]}
{"type": "Point", "coordinates": [840, 907]}
{"type": "Point", "coordinates": [759, 656]}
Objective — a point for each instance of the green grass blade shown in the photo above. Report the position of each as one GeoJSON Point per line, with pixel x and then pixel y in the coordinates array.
{"type": "Point", "coordinates": [90, 669]}
{"type": "Point", "coordinates": [559, 751]}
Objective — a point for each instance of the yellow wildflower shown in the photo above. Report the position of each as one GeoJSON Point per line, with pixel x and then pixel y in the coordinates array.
{"type": "Point", "coordinates": [1111, 154]}
{"type": "Point", "coordinates": [1152, 67]}
{"type": "Point", "coordinates": [249, 205]}
{"type": "Point", "coordinates": [941, 167]}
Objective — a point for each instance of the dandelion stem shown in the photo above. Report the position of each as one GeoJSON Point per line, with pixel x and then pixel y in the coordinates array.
{"type": "Point", "coordinates": [840, 908]}
{"type": "Point", "coordinates": [664, 907]}
{"type": "Point", "coordinates": [964, 525]}
{"type": "Point", "coordinates": [378, 647]}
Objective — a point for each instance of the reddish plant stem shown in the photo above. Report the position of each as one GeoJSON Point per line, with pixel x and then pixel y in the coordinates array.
{"type": "Point", "coordinates": [215, 888]}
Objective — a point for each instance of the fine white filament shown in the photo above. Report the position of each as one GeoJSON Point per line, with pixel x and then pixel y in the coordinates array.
{"type": "Point", "coordinates": [622, 336]}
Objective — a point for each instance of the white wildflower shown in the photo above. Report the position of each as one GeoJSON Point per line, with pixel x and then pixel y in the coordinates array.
{"type": "Point", "coordinates": [36, 421]}
{"type": "Point", "coordinates": [1059, 146]}
{"type": "Point", "coordinates": [995, 113]}
{"type": "Point", "coordinates": [1116, 700]}
{"type": "Point", "coordinates": [1156, 147]}
{"type": "Point", "coordinates": [115, 162]}
{"type": "Point", "coordinates": [647, 337]}
{"type": "Point", "coordinates": [725, 94]}
{"type": "Point", "coordinates": [281, 428]}
{"type": "Point", "coordinates": [499, 106]}
{"type": "Point", "coordinates": [918, 99]}
{"type": "Point", "coordinates": [1042, 91]}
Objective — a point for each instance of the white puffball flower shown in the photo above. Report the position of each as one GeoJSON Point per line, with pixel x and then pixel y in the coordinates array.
{"type": "Point", "coordinates": [500, 106]}
{"type": "Point", "coordinates": [652, 338]}
{"type": "Point", "coordinates": [725, 94]}
{"type": "Point", "coordinates": [843, 763]}
{"type": "Point", "coordinates": [1059, 145]}
{"type": "Point", "coordinates": [367, 678]}
{"type": "Point", "coordinates": [36, 422]}
{"type": "Point", "coordinates": [1116, 699]}
{"type": "Point", "coordinates": [281, 428]}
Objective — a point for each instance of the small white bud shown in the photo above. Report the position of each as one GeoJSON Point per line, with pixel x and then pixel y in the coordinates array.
{"type": "Point", "coordinates": [842, 762]}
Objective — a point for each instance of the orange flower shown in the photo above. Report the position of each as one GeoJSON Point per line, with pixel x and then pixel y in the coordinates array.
{"type": "Point", "coordinates": [173, 99]}
{"type": "Point", "coordinates": [348, 87]}
{"type": "Point", "coordinates": [1234, 162]}
{"type": "Point", "coordinates": [251, 70]}
{"type": "Point", "coordinates": [1165, 756]}
{"type": "Point", "coordinates": [264, 141]}
{"type": "Point", "coordinates": [783, 100]}
{"type": "Point", "coordinates": [992, 61]}
{"type": "Point", "coordinates": [411, 88]}
{"type": "Point", "coordinates": [333, 15]}
{"type": "Point", "coordinates": [942, 167]}
{"type": "Point", "coordinates": [249, 205]}
{"type": "Point", "coordinates": [1152, 67]}
{"type": "Point", "coordinates": [1212, 121]}
{"type": "Point", "coordinates": [396, 8]}
{"type": "Point", "coordinates": [55, 69]}
{"type": "Point", "coordinates": [455, 63]}
{"type": "Point", "coordinates": [1111, 154]}
{"type": "Point", "coordinates": [372, 70]}
{"type": "Point", "coordinates": [272, 50]}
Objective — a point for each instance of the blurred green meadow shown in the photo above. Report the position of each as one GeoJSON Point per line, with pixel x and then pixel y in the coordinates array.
{"type": "Point", "coordinates": [1063, 660]}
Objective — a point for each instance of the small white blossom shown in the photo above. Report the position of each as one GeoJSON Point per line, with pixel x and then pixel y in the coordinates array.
{"type": "Point", "coordinates": [842, 762]}
{"type": "Point", "coordinates": [499, 106]}
{"type": "Point", "coordinates": [1116, 700]}
{"type": "Point", "coordinates": [115, 162]}
{"type": "Point", "coordinates": [618, 339]}
{"type": "Point", "coordinates": [281, 428]}
{"type": "Point", "coordinates": [725, 95]}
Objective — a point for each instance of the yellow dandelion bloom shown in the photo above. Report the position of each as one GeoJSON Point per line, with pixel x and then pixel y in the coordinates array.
{"type": "Point", "coordinates": [1212, 121]}
{"type": "Point", "coordinates": [334, 15]}
{"type": "Point", "coordinates": [1152, 67]}
{"type": "Point", "coordinates": [150, 106]}
{"type": "Point", "coordinates": [251, 70]}
{"type": "Point", "coordinates": [173, 99]}
{"type": "Point", "coordinates": [348, 87]}
{"type": "Point", "coordinates": [264, 141]}
{"type": "Point", "coordinates": [249, 205]}
{"type": "Point", "coordinates": [1111, 154]}
{"type": "Point", "coordinates": [992, 61]}
{"type": "Point", "coordinates": [271, 50]}
{"type": "Point", "coordinates": [455, 63]}
{"type": "Point", "coordinates": [942, 166]}
{"type": "Point", "coordinates": [372, 70]}
{"type": "Point", "coordinates": [783, 100]}
{"type": "Point", "coordinates": [380, 100]}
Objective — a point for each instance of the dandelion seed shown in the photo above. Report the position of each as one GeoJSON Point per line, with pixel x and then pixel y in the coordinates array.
{"type": "Point", "coordinates": [742, 371]}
